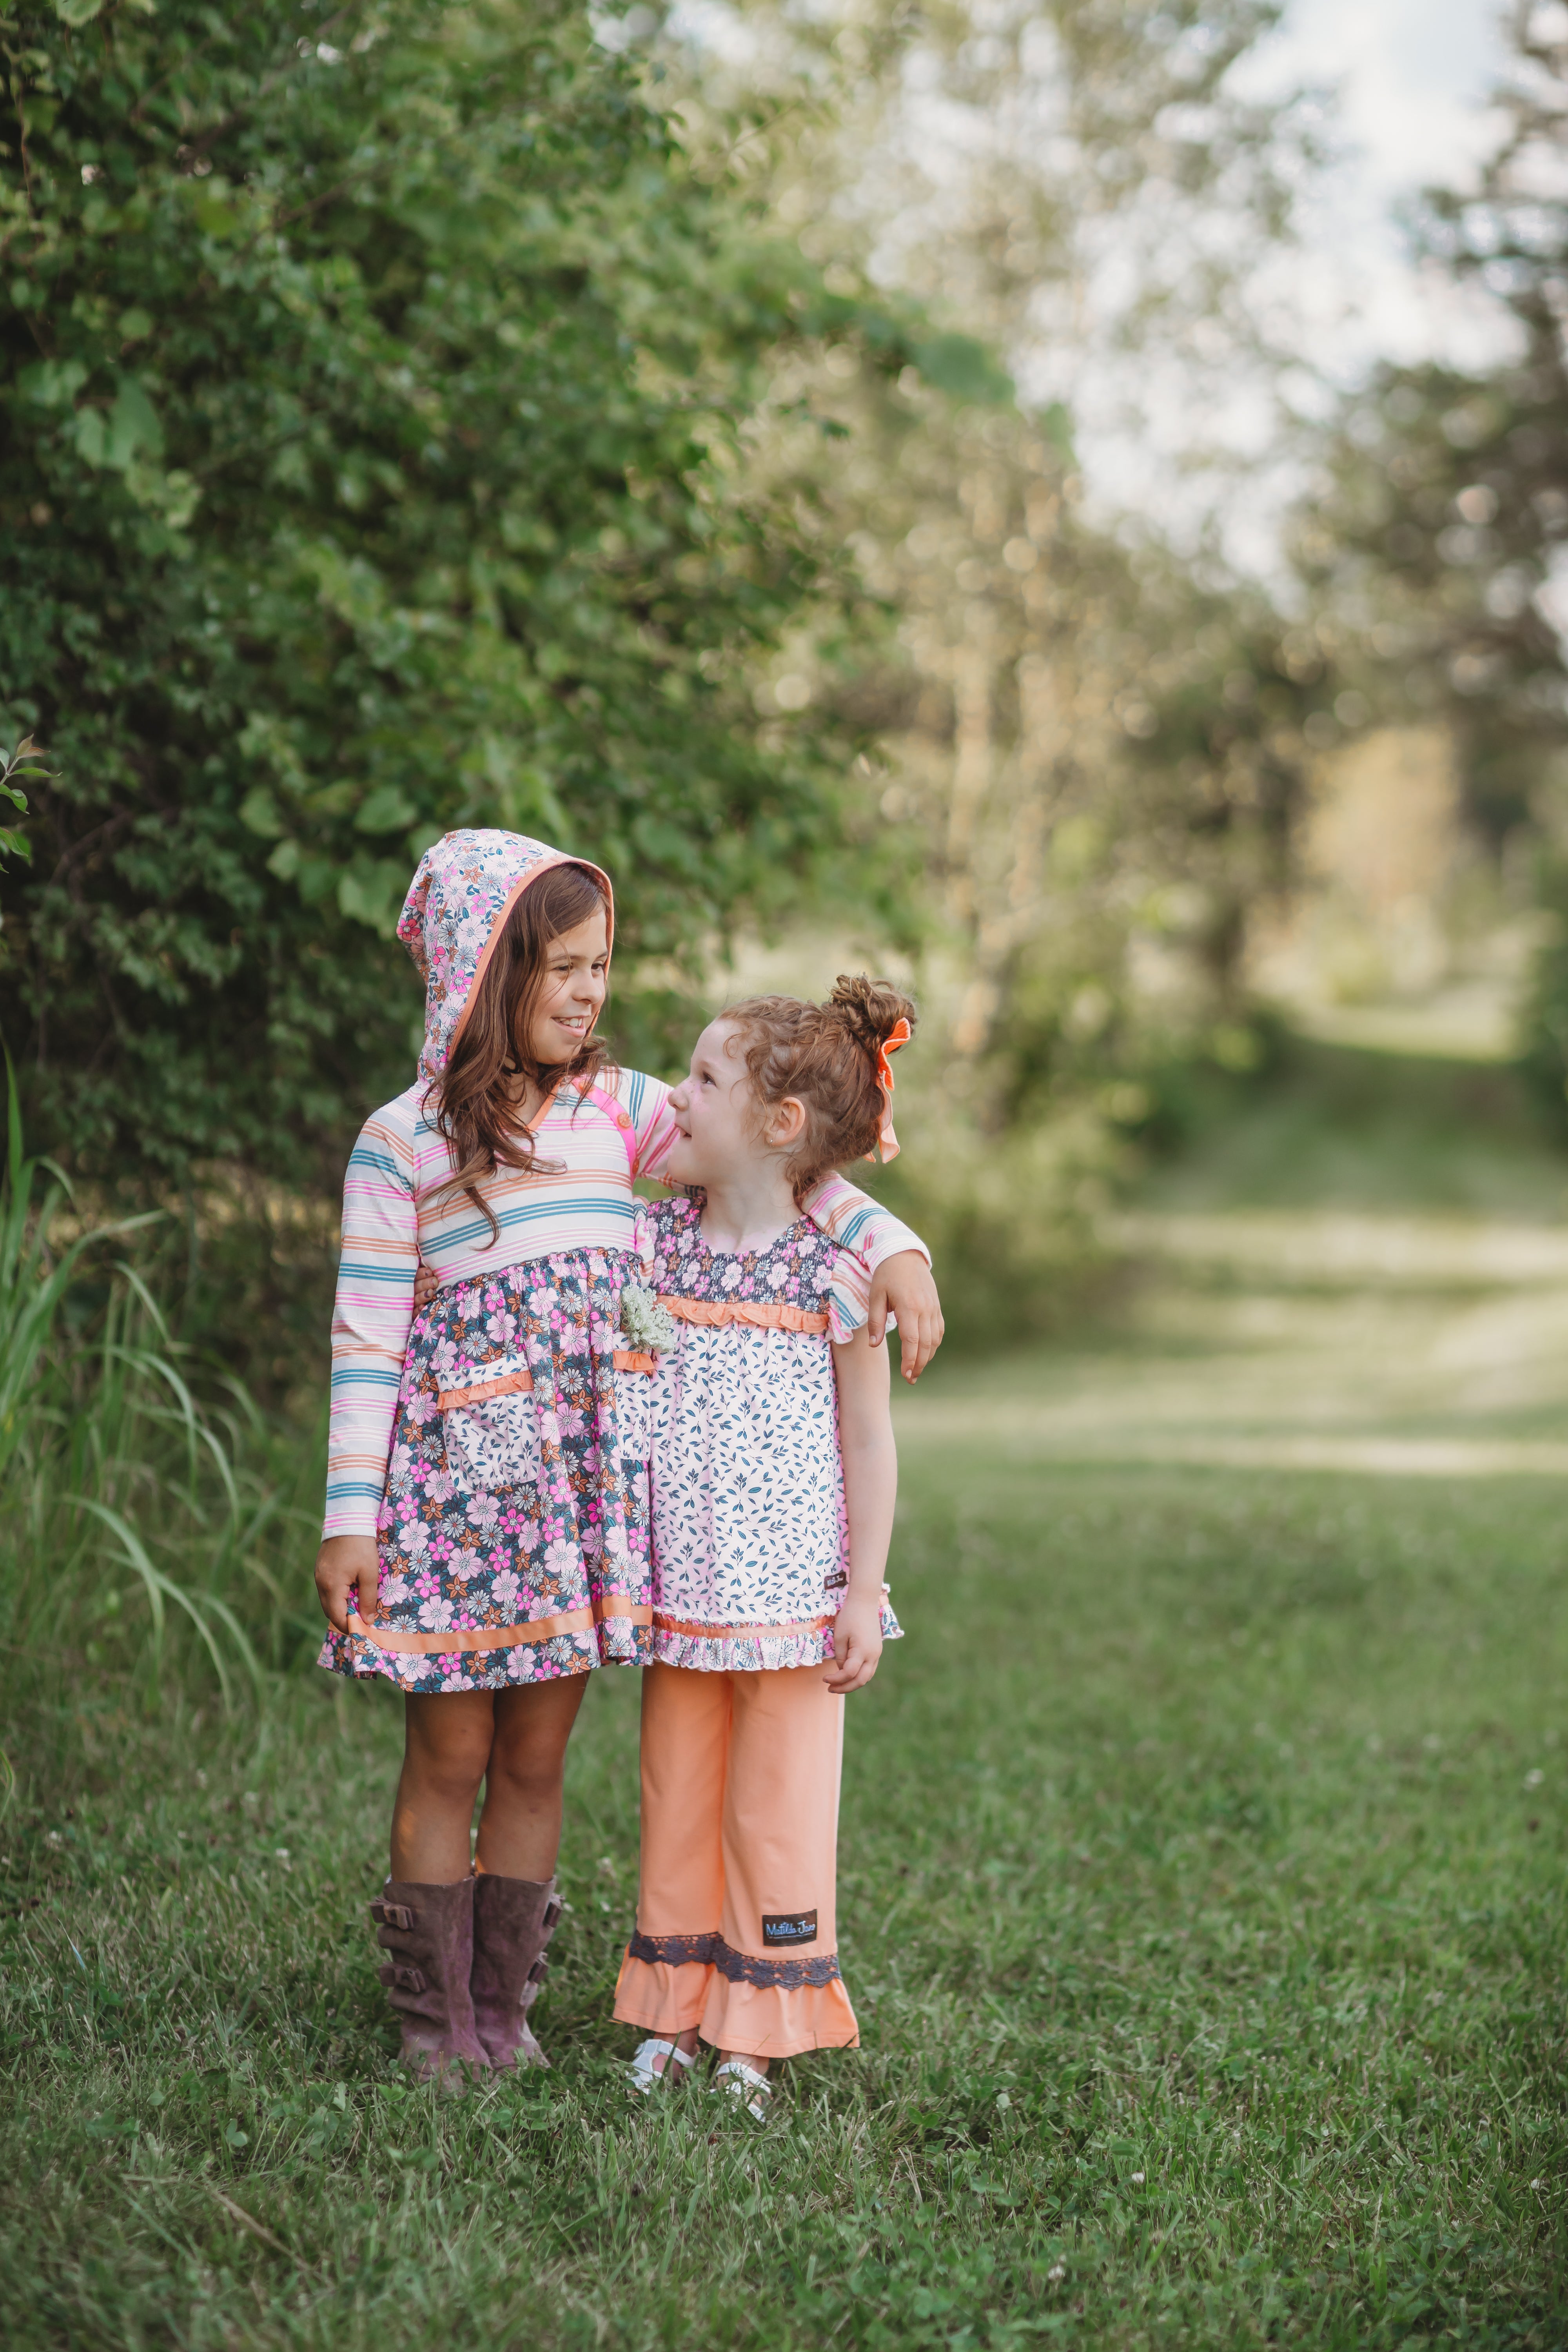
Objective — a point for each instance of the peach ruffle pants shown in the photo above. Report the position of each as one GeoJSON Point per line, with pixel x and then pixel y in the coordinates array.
{"type": "Point", "coordinates": [736, 1932]}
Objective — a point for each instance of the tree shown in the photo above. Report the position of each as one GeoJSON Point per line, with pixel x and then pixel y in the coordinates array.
{"type": "Point", "coordinates": [374, 388]}
{"type": "Point", "coordinates": [1085, 748]}
{"type": "Point", "coordinates": [1435, 544]}
{"type": "Point", "coordinates": [1444, 501]}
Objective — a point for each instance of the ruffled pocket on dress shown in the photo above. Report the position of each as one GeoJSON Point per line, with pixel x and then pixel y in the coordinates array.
{"type": "Point", "coordinates": [490, 1425]}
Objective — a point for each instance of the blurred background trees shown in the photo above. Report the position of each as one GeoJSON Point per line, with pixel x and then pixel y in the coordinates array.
{"type": "Point", "coordinates": [1085, 748]}
{"type": "Point", "coordinates": [1434, 548]}
{"type": "Point", "coordinates": [666, 433]}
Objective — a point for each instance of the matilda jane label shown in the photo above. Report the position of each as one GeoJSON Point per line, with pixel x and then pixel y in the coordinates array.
{"type": "Point", "coordinates": [789, 1927]}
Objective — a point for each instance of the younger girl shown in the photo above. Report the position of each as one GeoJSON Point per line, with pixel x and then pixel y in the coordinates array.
{"type": "Point", "coordinates": [486, 1540]}
{"type": "Point", "coordinates": [772, 1482]}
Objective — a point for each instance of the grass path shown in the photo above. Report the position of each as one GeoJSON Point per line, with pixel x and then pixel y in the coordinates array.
{"type": "Point", "coordinates": [1203, 1903]}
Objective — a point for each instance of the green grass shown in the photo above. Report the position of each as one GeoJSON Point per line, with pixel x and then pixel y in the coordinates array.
{"type": "Point", "coordinates": [1203, 1867]}
{"type": "Point", "coordinates": [1203, 1910]}
{"type": "Point", "coordinates": [1335, 1126]}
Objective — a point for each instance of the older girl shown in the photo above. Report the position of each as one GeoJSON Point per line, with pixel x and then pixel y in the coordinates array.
{"type": "Point", "coordinates": [486, 1536]}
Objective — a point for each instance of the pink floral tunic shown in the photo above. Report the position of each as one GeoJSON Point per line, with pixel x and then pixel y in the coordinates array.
{"type": "Point", "coordinates": [746, 1478]}
{"type": "Point", "coordinates": [513, 1535]}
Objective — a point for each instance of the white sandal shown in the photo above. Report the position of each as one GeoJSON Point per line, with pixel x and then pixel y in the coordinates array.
{"type": "Point", "coordinates": [743, 2082]}
{"type": "Point", "coordinates": [642, 2074]}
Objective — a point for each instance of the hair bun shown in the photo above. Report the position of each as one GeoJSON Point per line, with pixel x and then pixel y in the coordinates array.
{"type": "Point", "coordinates": [871, 1009]}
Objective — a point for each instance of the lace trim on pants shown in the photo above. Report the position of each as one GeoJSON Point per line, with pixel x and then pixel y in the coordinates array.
{"type": "Point", "coordinates": [741, 1968]}
{"type": "Point", "coordinates": [673, 1951]}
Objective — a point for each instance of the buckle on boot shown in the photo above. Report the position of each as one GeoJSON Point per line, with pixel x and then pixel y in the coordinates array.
{"type": "Point", "coordinates": [391, 1914]}
{"type": "Point", "coordinates": [539, 1971]}
{"type": "Point", "coordinates": [400, 1975]}
{"type": "Point", "coordinates": [552, 1911]}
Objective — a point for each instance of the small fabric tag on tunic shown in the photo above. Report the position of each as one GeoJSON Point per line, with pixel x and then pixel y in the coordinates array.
{"type": "Point", "coordinates": [789, 1927]}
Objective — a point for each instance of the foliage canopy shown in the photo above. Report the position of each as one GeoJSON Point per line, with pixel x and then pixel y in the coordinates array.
{"type": "Point", "coordinates": [374, 385]}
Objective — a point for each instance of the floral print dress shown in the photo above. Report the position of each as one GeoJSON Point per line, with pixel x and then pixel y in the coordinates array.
{"type": "Point", "coordinates": [495, 1446]}
{"type": "Point", "coordinates": [746, 1477]}
{"type": "Point", "coordinates": [513, 1533]}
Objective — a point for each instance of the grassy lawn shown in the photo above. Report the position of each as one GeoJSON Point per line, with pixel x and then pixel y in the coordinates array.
{"type": "Point", "coordinates": [1203, 1864]}
{"type": "Point", "coordinates": [1202, 1903]}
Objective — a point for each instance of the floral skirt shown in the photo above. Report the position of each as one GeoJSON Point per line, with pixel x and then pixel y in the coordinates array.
{"type": "Point", "coordinates": [513, 1533]}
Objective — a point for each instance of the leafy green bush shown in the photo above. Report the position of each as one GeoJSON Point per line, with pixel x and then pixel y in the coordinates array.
{"type": "Point", "coordinates": [372, 392]}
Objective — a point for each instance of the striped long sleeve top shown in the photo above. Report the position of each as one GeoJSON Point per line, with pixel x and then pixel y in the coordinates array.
{"type": "Point", "coordinates": [394, 1215]}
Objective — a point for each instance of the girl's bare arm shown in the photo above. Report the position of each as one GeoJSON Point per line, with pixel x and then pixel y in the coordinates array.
{"type": "Point", "coordinates": [905, 1286]}
{"type": "Point", "coordinates": [870, 1491]}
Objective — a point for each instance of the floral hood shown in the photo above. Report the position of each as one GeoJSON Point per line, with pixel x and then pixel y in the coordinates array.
{"type": "Point", "coordinates": [466, 886]}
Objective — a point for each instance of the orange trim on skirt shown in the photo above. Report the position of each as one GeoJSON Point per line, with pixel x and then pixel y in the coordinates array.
{"type": "Point", "coordinates": [700, 1630]}
{"type": "Point", "coordinates": [459, 1640]}
{"type": "Point", "coordinates": [627, 1359]}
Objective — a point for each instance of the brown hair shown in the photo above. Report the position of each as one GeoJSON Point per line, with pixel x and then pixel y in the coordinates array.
{"type": "Point", "coordinates": [826, 1055]}
{"type": "Point", "coordinates": [474, 1107]}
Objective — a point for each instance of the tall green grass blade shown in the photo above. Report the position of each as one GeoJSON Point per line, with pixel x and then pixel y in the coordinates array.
{"type": "Point", "coordinates": [31, 1286]}
{"type": "Point", "coordinates": [111, 1453]}
{"type": "Point", "coordinates": [150, 1305]}
{"type": "Point", "coordinates": [13, 1130]}
{"type": "Point", "coordinates": [161, 1589]}
{"type": "Point", "coordinates": [29, 1303]}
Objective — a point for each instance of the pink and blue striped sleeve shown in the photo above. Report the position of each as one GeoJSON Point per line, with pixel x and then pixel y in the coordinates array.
{"type": "Point", "coordinates": [858, 1223]}
{"type": "Point", "coordinates": [371, 1319]}
{"type": "Point", "coordinates": [855, 1220]}
{"type": "Point", "coordinates": [647, 1101]}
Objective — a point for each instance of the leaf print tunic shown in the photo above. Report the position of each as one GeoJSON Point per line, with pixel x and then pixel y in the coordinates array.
{"type": "Point", "coordinates": [746, 1477]}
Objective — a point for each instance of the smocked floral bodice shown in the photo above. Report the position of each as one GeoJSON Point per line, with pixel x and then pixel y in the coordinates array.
{"type": "Point", "coordinates": [797, 1269]}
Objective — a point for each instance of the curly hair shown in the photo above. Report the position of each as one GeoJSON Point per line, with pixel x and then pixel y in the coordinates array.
{"type": "Point", "coordinates": [826, 1055]}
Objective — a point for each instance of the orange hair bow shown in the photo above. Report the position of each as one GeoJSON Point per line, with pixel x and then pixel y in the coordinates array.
{"type": "Point", "coordinates": [898, 1035]}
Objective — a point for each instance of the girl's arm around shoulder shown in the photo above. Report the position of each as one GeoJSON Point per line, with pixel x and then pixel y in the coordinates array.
{"type": "Point", "coordinates": [870, 1491]}
{"type": "Point", "coordinates": [898, 1261]}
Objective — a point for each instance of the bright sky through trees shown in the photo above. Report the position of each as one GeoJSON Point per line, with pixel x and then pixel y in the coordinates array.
{"type": "Point", "coordinates": [1415, 76]}
{"type": "Point", "coordinates": [1411, 80]}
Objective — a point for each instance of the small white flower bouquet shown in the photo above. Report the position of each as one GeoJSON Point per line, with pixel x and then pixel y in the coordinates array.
{"type": "Point", "coordinates": [649, 1328]}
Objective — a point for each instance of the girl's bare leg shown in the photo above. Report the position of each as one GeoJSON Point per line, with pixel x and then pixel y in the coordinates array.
{"type": "Point", "coordinates": [520, 1828]}
{"type": "Point", "coordinates": [446, 1741]}
{"type": "Point", "coordinates": [686, 2041]}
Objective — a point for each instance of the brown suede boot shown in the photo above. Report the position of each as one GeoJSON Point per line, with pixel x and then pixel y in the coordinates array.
{"type": "Point", "coordinates": [514, 1918]}
{"type": "Point", "coordinates": [429, 1931]}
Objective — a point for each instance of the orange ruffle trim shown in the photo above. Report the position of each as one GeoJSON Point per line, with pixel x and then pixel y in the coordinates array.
{"type": "Point", "coordinates": [771, 2021]}
{"type": "Point", "coordinates": [763, 1314]}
